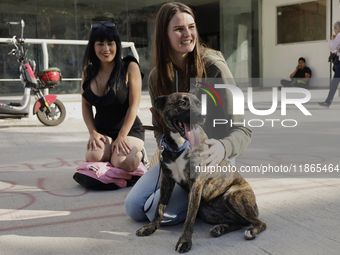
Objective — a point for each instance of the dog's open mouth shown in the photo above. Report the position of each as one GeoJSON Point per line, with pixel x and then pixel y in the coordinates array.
{"type": "Point", "coordinates": [189, 131]}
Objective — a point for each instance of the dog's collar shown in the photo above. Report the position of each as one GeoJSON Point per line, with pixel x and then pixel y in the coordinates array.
{"type": "Point", "coordinates": [178, 149]}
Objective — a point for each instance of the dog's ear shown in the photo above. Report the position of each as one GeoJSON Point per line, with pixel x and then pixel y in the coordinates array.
{"type": "Point", "coordinates": [160, 102]}
{"type": "Point", "coordinates": [193, 89]}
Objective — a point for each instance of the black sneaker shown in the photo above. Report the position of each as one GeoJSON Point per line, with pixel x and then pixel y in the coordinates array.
{"type": "Point", "coordinates": [145, 159]}
{"type": "Point", "coordinates": [324, 104]}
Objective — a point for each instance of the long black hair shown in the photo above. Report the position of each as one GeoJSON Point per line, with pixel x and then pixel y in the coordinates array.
{"type": "Point", "coordinates": [91, 63]}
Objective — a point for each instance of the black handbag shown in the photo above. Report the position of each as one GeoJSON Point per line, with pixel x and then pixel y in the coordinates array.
{"type": "Point", "coordinates": [333, 58]}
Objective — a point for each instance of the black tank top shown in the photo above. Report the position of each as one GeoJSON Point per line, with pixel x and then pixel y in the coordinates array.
{"type": "Point", "coordinates": [112, 107]}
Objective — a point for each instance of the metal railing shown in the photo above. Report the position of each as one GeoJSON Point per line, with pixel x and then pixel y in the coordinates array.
{"type": "Point", "coordinates": [45, 42]}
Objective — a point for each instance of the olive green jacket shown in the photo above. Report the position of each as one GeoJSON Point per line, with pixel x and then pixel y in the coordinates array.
{"type": "Point", "coordinates": [237, 137]}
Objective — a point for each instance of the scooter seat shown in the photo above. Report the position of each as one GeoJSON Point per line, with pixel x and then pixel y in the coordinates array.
{"type": "Point", "coordinates": [16, 104]}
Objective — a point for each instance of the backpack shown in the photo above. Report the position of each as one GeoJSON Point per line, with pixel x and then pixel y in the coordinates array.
{"type": "Point", "coordinates": [103, 176]}
{"type": "Point", "coordinates": [333, 58]}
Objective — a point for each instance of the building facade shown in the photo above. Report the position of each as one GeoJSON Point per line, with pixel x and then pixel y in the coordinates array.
{"type": "Point", "coordinates": [253, 35]}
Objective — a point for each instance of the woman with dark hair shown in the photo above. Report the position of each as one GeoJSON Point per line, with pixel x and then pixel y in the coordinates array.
{"type": "Point", "coordinates": [334, 46]}
{"type": "Point", "coordinates": [113, 86]}
{"type": "Point", "coordinates": [179, 56]}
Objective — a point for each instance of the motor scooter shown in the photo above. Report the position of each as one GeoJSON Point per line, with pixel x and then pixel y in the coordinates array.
{"type": "Point", "coordinates": [49, 110]}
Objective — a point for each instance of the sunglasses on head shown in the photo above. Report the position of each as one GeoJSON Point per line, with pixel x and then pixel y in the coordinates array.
{"type": "Point", "coordinates": [106, 24]}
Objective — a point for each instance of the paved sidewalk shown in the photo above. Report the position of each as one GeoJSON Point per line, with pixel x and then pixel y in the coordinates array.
{"type": "Point", "coordinates": [44, 211]}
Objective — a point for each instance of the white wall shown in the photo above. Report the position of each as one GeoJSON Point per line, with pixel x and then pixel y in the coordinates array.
{"type": "Point", "coordinates": [279, 61]}
{"type": "Point", "coordinates": [336, 10]}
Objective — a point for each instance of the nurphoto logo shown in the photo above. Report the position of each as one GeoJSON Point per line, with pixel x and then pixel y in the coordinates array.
{"type": "Point", "coordinates": [204, 97]}
{"type": "Point", "coordinates": [239, 104]}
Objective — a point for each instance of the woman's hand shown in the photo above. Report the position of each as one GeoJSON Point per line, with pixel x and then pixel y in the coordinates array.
{"type": "Point", "coordinates": [215, 152]}
{"type": "Point", "coordinates": [94, 141]}
{"type": "Point", "coordinates": [120, 145]}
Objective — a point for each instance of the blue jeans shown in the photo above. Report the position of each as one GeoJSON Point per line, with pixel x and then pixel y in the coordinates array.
{"type": "Point", "coordinates": [143, 194]}
{"type": "Point", "coordinates": [334, 85]}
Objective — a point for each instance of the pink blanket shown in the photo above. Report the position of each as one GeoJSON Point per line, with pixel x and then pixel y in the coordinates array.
{"type": "Point", "coordinates": [106, 173]}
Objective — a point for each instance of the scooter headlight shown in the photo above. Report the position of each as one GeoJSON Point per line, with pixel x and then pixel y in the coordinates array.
{"type": "Point", "coordinates": [32, 64]}
{"type": "Point", "coordinates": [22, 79]}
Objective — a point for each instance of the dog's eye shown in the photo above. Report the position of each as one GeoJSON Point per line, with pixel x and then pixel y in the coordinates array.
{"type": "Point", "coordinates": [182, 103]}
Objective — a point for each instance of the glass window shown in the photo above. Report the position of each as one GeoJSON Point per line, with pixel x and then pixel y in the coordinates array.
{"type": "Point", "coordinates": [71, 20]}
{"type": "Point", "coordinates": [301, 22]}
{"type": "Point", "coordinates": [230, 26]}
{"type": "Point", "coordinates": [240, 35]}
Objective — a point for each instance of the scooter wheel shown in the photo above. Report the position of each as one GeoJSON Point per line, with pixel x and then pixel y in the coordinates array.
{"type": "Point", "coordinates": [53, 118]}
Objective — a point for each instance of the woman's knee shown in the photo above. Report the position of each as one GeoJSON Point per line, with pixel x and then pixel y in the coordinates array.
{"type": "Point", "coordinates": [128, 163]}
{"type": "Point", "coordinates": [134, 207]}
{"type": "Point", "coordinates": [93, 156]}
{"type": "Point", "coordinates": [140, 193]}
{"type": "Point", "coordinates": [101, 154]}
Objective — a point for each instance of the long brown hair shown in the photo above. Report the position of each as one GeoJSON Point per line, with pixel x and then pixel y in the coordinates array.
{"type": "Point", "coordinates": [161, 54]}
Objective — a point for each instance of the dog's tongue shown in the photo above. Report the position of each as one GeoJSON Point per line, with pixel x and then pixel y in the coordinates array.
{"type": "Point", "coordinates": [192, 136]}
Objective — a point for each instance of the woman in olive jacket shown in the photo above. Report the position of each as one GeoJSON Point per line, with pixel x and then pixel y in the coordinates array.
{"type": "Point", "coordinates": [179, 56]}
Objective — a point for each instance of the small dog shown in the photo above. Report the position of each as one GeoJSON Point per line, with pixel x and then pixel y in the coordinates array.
{"type": "Point", "coordinates": [223, 199]}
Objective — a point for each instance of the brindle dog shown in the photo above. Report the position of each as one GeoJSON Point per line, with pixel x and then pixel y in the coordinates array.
{"type": "Point", "coordinates": [224, 199]}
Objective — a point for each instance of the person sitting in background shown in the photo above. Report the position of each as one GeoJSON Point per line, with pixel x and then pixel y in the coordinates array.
{"type": "Point", "coordinates": [300, 77]}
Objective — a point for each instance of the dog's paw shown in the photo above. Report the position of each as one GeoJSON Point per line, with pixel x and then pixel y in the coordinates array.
{"type": "Point", "coordinates": [183, 246]}
{"type": "Point", "coordinates": [249, 235]}
{"type": "Point", "coordinates": [216, 231]}
{"type": "Point", "coordinates": [145, 231]}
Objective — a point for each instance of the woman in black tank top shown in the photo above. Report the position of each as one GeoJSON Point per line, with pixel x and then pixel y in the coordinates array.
{"type": "Point", "coordinates": [113, 86]}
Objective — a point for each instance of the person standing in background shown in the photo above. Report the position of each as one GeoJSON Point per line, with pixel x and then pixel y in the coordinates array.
{"type": "Point", "coordinates": [334, 45]}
